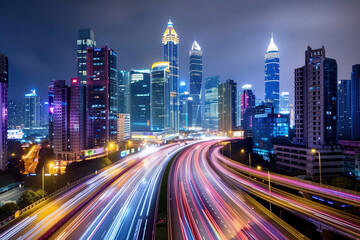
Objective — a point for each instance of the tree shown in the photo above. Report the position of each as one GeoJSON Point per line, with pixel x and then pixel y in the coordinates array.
{"type": "Point", "coordinates": [7, 210]}
{"type": "Point", "coordinates": [29, 197]}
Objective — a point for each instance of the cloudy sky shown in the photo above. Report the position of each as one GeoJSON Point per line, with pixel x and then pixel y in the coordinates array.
{"type": "Point", "coordinates": [39, 36]}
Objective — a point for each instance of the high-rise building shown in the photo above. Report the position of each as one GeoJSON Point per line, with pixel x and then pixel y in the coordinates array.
{"type": "Point", "coordinates": [140, 100]}
{"type": "Point", "coordinates": [4, 81]}
{"type": "Point", "coordinates": [61, 124]}
{"type": "Point", "coordinates": [16, 114]}
{"type": "Point", "coordinates": [32, 110]}
{"type": "Point", "coordinates": [170, 42]}
{"type": "Point", "coordinates": [195, 85]}
{"type": "Point", "coordinates": [211, 115]}
{"type": "Point", "coordinates": [284, 103]}
{"type": "Point", "coordinates": [101, 91]}
{"type": "Point", "coordinates": [123, 127]}
{"type": "Point", "coordinates": [184, 112]}
{"type": "Point", "coordinates": [77, 135]}
{"type": "Point", "coordinates": [315, 120]}
{"type": "Point", "coordinates": [355, 102]}
{"type": "Point", "coordinates": [45, 114]}
{"type": "Point", "coordinates": [51, 113]}
{"type": "Point", "coordinates": [160, 97]}
{"type": "Point", "coordinates": [272, 75]}
{"type": "Point", "coordinates": [227, 106]}
{"type": "Point", "coordinates": [124, 92]}
{"type": "Point", "coordinates": [247, 100]}
{"type": "Point", "coordinates": [344, 109]}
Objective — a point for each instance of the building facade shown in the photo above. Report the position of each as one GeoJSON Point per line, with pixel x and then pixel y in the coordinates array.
{"type": "Point", "coordinates": [140, 100]}
{"type": "Point", "coordinates": [344, 109]}
{"type": "Point", "coordinates": [272, 75]}
{"type": "Point", "coordinates": [195, 85]}
{"type": "Point", "coordinates": [355, 102]}
{"type": "Point", "coordinates": [4, 83]}
{"type": "Point", "coordinates": [183, 107]}
{"type": "Point", "coordinates": [284, 103]}
{"type": "Point", "coordinates": [77, 135]}
{"type": "Point", "coordinates": [124, 92]}
{"type": "Point", "coordinates": [32, 110]}
{"type": "Point", "coordinates": [123, 125]}
{"type": "Point", "coordinates": [170, 42]}
{"type": "Point", "coordinates": [227, 106]}
{"type": "Point", "coordinates": [247, 101]}
{"type": "Point", "coordinates": [16, 114]}
{"type": "Point", "coordinates": [211, 115]}
{"type": "Point", "coordinates": [102, 102]}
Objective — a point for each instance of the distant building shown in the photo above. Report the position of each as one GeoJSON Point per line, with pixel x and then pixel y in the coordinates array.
{"type": "Point", "coordinates": [355, 102]}
{"type": "Point", "coordinates": [51, 112]}
{"type": "Point", "coordinates": [45, 114]}
{"type": "Point", "coordinates": [227, 106]}
{"type": "Point", "coordinates": [77, 135]}
{"type": "Point", "coordinates": [344, 109]}
{"type": "Point", "coordinates": [32, 110]}
{"type": "Point", "coordinates": [123, 125]}
{"type": "Point", "coordinates": [4, 81]}
{"type": "Point", "coordinates": [140, 100]}
{"type": "Point", "coordinates": [315, 120]}
{"type": "Point", "coordinates": [211, 116]}
{"type": "Point", "coordinates": [267, 129]}
{"type": "Point", "coordinates": [272, 75]}
{"type": "Point", "coordinates": [124, 92]}
{"type": "Point", "coordinates": [160, 97]}
{"type": "Point", "coordinates": [183, 107]}
{"type": "Point", "coordinates": [170, 42]}
{"type": "Point", "coordinates": [247, 101]}
{"type": "Point", "coordinates": [351, 150]}
{"type": "Point", "coordinates": [284, 103]}
{"type": "Point", "coordinates": [195, 85]}
{"type": "Point", "coordinates": [102, 88]}
{"type": "Point", "coordinates": [16, 114]}
{"type": "Point", "coordinates": [61, 123]}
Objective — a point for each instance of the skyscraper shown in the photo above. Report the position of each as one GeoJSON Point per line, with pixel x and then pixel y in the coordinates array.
{"type": "Point", "coordinates": [160, 96]}
{"type": "Point", "coordinates": [211, 115]}
{"type": "Point", "coordinates": [344, 109]}
{"type": "Point", "coordinates": [77, 136]}
{"type": "Point", "coordinates": [85, 40]}
{"type": "Point", "coordinates": [45, 114]}
{"type": "Point", "coordinates": [16, 114]}
{"type": "Point", "coordinates": [227, 106]}
{"type": "Point", "coordinates": [315, 100]}
{"type": "Point", "coordinates": [140, 100]}
{"type": "Point", "coordinates": [183, 108]}
{"type": "Point", "coordinates": [284, 103]}
{"type": "Point", "coordinates": [247, 100]}
{"type": "Point", "coordinates": [195, 85]}
{"type": "Point", "coordinates": [32, 110]}
{"type": "Point", "coordinates": [61, 124]}
{"type": "Point", "coordinates": [51, 113]}
{"type": "Point", "coordinates": [272, 75]}
{"type": "Point", "coordinates": [355, 102]}
{"type": "Point", "coordinates": [102, 88]}
{"type": "Point", "coordinates": [170, 41]}
{"type": "Point", "coordinates": [4, 81]}
{"type": "Point", "coordinates": [124, 92]}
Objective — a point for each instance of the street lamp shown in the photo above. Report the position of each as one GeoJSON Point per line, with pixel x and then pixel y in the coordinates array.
{"type": "Point", "coordinates": [43, 179]}
{"type": "Point", "coordinates": [269, 180]}
{"type": "Point", "coordinates": [314, 151]}
{"type": "Point", "coordinates": [243, 151]}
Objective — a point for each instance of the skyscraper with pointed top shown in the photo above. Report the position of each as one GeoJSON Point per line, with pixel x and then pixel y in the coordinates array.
{"type": "Point", "coordinates": [272, 75]}
{"type": "Point", "coordinates": [170, 42]}
{"type": "Point", "coordinates": [195, 85]}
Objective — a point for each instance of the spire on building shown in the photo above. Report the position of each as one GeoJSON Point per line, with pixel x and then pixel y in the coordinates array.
{"type": "Point", "coordinates": [170, 34]}
{"type": "Point", "coordinates": [196, 46]}
{"type": "Point", "coordinates": [272, 47]}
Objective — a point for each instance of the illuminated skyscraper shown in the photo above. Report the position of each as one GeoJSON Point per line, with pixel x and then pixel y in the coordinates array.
{"type": "Point", "coordinates": [124, 92]}
{"type": "Point", "coordinates": [32, 110]}
{"type": "Point", "coordinates": [344, 109]}
{"type": "Point", "coordinates": [211, 116]}
{"type": "Point", "coordinates": [355, 102]}
{"type": "Point", "coordinates": [272, 75]}
{"type": "Point", "coordinates": [170, 41]}
{"type": "Point", "coordinates": [4, 80]}
{"type": "Point", "coordinates": [160, 96]}
{"type": "Point", "coordinates": [183, 98]}
{"type": "Point", "coordinates": [227, 106]}
{"type": "Point", "coordinates": [195, 85]}
{"type": "Point", "coordinates": [284, 103]}
{"type": "Point", "coordinates": [140, 100]}
{"type": "Point", "coordinates": [77, 136]}
{"type": "Point", "coordinates": [102, 88]}
{"type": "Point", "coordinates": [247, 100]}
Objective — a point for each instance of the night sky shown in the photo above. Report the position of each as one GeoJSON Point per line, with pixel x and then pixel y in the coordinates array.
{"type": "Point", "coordinates": [39, 37]}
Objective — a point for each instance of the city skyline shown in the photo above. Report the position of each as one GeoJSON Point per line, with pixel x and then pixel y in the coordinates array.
{"type": "Point", "coordinates": [244, 54]}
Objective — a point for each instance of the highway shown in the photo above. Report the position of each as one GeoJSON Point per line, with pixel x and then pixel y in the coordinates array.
{"type": "Point", "coordinates": [131, 187]}
{"type": "Point", "coordinates": [202, 206]}
{"type": "Point", "coordinates": [328, 218]}
{"type": "Point", "coordinates": [125, 210]}
{"type": "Point", "coordinates": [11, 195]}
{"type": "Point", "coordinates": [336, 194]}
